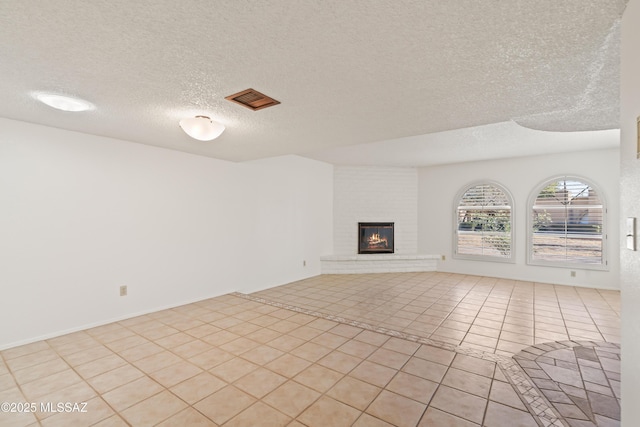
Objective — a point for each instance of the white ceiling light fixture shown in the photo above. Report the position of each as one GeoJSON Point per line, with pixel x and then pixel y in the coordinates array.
{"type": "Point", "coordinates": [201, 128]}
{"type": "Point", "coordinates": [62, 102]}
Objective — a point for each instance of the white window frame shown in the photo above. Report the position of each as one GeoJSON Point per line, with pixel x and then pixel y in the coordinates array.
{"type": "Point", "coordinates": [456, 205]}
{"type": "Point", "coordinates": [604, 265]}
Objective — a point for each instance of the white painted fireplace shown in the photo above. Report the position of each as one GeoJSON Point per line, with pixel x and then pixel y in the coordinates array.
{"type": "Point", "coordinates": [375, 195]}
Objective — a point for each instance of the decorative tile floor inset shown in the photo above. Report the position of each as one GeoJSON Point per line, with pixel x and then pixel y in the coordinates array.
{"type": "Point", "coordinates": [581, 379]}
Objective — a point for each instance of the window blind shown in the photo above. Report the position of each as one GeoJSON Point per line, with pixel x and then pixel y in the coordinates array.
{"type": "Point", "coordinates": [567, 221]}
{"type": "Point", "coordinates": [483, 226]}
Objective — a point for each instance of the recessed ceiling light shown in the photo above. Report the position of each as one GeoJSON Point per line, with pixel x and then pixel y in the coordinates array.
{"type": "Point", "coordinates": [64, 103]}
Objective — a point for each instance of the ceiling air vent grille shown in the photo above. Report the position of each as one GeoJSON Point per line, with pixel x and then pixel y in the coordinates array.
{"type": "Point", "coordinates": [252, 99]}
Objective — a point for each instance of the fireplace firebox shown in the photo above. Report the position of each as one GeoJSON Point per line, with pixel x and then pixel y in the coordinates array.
{"type": "Point", "coordinates": [375, 237]}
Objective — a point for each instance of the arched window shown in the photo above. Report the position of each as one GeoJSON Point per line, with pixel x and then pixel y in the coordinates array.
{"type": "Point", "coordinates": [567, 218]}
{"type": "Point", "coordinates": [484, 220]}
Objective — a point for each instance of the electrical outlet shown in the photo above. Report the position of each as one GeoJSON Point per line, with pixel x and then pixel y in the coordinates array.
{"type": "Point", "coordinates": [444, 258]}
{"type": "Point", "coordinates": [123, 290]}
{"type": "Point", "coordinates": [573, 274]}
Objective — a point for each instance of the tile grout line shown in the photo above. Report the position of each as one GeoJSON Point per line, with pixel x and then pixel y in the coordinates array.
{"type": "Point", "coordinates": [533, 399]}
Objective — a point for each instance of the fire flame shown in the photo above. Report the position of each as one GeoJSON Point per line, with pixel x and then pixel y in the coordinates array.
{"type": "Point", "coordinates": [376, 240]}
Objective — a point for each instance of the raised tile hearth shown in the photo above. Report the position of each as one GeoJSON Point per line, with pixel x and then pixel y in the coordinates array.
{"type": "Point", "coordinates": [377, 263]}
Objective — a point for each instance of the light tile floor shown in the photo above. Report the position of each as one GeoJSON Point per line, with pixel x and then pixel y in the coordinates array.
{"type": "Point", "coordinates": [489, 314]}
{"type": "Point", "coordinates": [239, 360]}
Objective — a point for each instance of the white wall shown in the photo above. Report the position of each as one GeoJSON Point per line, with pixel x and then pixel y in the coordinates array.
{"type": "Point", "coordinates": [374, 194]}
{"type": "Point", "coordinates": [81, 215]}
{"type": "Point", "coordinates": [438, 186]}
{"type": "Point", "coordinates": [630, 207]}
{"type": "Point", "coordinates": [290, 221]}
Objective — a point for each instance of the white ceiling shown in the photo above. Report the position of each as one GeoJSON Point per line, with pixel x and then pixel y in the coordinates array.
{"type": "Point", "coordinates": [355, 78]}
{"type": "Point", "coordinates": [494, 141]}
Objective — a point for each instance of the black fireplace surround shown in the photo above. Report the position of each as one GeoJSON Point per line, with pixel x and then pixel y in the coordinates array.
{"type": "Point", "coordinates": [375, 237]}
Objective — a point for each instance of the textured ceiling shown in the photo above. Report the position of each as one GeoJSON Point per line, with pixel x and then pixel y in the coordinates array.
{"type": "Point", "coordinates": [346, 72]}
{"type": "Point", "coordinates": [495, 141]}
